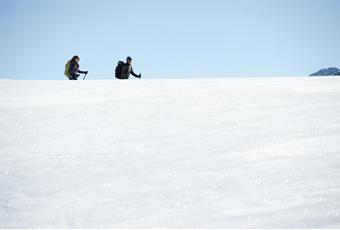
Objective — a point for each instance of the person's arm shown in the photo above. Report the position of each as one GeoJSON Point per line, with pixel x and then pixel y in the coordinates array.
{"type": "Point", "coordinates": [79, 71]}
{"type": "Point", "coordinates": [74, 69]}
{"type": "Point", "coordinates": [84, 72]}
{"type": "Point", "coordinates": [135, 75]}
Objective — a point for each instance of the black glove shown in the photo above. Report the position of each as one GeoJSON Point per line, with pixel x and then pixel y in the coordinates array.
{"type": "Point", "coordinates": [86, 72]}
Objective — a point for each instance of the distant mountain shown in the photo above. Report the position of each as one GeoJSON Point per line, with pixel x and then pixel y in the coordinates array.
{"type": "Point", "coordinates": [332, 71]}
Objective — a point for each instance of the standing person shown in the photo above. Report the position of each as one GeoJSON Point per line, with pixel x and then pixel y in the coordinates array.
{"type": "Point", "coordinates": [72, 68]}
{"type": "Point", "coordinates": [123, 70]}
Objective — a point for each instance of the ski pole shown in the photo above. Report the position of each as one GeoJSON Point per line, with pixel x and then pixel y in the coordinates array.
{"type": "Point", "coordinates": [84, 76]}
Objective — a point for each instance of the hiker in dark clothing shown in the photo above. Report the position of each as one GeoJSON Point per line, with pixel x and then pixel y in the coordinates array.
{"type": "Point", "coordinates": [74, 68]}
{"type": "Point", "coordinates": [126, 70]}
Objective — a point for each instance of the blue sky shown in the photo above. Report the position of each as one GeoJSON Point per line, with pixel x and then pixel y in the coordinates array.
{"type": "Point", "coordinates": [169, 39]}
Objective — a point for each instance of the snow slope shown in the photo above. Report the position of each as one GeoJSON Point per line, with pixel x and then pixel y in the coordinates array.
{"type": "Point", "coordinates": [228, 153]}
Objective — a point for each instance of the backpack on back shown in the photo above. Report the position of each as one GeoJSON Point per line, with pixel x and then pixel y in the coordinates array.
{"type": "Point", "coordinates": [118, 71]}
{"type": "Point", "coordinates": [67, 69]}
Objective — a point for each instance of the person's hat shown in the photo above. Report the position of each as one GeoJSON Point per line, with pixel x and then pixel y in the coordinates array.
{"type": "Point", "coordinates": [129, 58]}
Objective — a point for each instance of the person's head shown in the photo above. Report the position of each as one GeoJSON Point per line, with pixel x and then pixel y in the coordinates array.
{"type": "Point", "coordinates": [129, 60]}
{"type": "Point", "coordinates": [76, 58]}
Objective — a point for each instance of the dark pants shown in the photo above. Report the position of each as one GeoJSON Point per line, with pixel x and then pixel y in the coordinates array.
{"type": "Point", "coordinates": [74, 77]}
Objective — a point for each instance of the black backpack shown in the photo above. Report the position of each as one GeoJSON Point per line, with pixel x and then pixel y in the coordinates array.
{"type": "Point", "coordinates": [118, 72]}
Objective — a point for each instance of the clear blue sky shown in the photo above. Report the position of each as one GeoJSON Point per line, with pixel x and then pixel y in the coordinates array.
{"type": "Point", "coordinates": [169, 39]}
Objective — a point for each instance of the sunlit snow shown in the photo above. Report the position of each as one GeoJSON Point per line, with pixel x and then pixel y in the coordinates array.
{"type": "Point", "coordinates": [228, 153]}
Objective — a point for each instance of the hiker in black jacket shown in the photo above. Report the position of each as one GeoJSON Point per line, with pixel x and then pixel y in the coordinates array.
{"type": "Point", "coordinates": [126, 70]}
{"type": "Point", "coordinates": [74, 68]}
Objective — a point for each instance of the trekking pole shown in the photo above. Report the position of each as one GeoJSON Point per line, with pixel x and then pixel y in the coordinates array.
{"type": "Point", "coordinates": [84, 76]}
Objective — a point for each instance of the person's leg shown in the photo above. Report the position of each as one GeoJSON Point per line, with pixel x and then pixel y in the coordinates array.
{"type": "Point", "coordinates": [73, 77]}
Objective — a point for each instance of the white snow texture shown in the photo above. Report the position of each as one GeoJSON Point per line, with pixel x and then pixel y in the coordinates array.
{"type": "Point", "coordinates": [204, 153]}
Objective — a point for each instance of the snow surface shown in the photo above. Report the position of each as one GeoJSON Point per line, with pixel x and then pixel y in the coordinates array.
{"type": "Point", "coordinates": [228, 153]}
